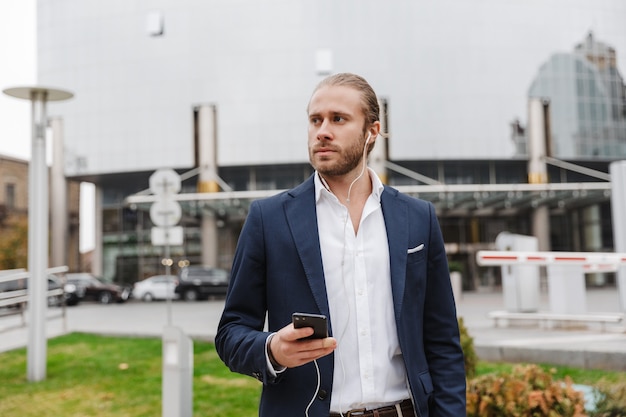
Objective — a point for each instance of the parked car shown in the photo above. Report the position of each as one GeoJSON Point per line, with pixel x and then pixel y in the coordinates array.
{"type": "Point", "coordinates": [98, 290]}
{"type": "Point", "coordinates": [158, 287]}
{"type": "Point", "coordinates": [199, 282]}
{"type": "Point", "coordinates": [70, 294]}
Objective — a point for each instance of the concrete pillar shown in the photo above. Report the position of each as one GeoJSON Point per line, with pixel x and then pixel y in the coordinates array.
{"type": "Point", "coordinates": [58, 197]}
{"type": "Point", "coordinates": [592, 229]}
{"type": "Point", "coordinates": [537, 170]}
{"type": "Point", "coordinates": [540, 223]}
{"type": "Point", "coordinates": [617, 170]}
{"type": "Point", "coordinates": [207, 183]}
{"type": "Point", "coordinates": [538, 138]}
{"type": "Point", "coordinates": [97, 260]}
{"type": "Point", "coordinates": [379, 154]}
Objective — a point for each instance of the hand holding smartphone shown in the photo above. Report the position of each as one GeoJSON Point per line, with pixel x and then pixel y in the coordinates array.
{"type": "Point", "coordinates": [316, 321]}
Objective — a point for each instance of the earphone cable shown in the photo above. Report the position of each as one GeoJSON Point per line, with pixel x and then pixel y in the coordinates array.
{"type": "Point", "coordinates": [343, 257]}
{"type": "Point", "coordinates": [317, 370]}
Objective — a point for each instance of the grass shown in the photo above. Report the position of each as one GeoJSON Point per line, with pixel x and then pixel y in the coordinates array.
{"type": "Point", "coordinates": [92, 375]}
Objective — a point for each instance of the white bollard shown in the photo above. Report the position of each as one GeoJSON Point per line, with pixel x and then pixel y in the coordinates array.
{"type": "Point", "coordinates": [177, 386]}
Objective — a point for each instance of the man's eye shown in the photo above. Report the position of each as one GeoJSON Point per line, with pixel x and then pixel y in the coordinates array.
{"type": "Point", "coordinates": [338, 119]}
{"type": "Point", "coordinates": [314, 120]}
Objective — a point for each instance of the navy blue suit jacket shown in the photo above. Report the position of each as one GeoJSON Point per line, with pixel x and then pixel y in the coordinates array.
{"type": "Point", "coordinates": [277, 270]}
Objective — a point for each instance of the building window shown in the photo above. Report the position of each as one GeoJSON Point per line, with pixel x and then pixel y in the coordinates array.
{"type": "Point", "coordinates": [9, 195]}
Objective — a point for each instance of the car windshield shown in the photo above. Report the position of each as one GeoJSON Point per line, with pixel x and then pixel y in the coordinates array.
{"type": "Point", "coordinates": [203, 272]}
{"type": "Point", "coordinates": [89, 281]}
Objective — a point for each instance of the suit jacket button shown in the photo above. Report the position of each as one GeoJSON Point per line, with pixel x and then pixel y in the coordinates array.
{"type": "Point", "coordinates": [322, 394]}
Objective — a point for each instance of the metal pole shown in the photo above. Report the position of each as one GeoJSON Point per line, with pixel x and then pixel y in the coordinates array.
{"type": "Point", "coordinates": [168, 272]}
{"type": "Point", "coordinates": [37, 226]}
{"type": "Point", "coordinates": [37, 240]}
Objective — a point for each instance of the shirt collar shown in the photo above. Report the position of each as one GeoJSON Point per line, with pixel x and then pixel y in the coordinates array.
{"type": "Point", "coordinates": [320, 188]}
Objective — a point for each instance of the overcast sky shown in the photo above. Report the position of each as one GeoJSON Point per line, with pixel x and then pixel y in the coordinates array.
{"type": "Point", "coordinates": [18, 32]}
{"type": "Point", "coordinates": [18, 57]}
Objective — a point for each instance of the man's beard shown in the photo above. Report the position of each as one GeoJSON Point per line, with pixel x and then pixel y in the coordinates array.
{"type": "Point", "coordinates": [352, 157]}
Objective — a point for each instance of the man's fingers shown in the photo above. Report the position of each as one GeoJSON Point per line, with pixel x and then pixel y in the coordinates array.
{"type": "Point", "coordinates": [303, 332]}
{"type": "Point", "coordinates": [329, 342]}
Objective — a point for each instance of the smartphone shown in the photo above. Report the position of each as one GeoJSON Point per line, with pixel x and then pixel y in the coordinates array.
{"type": "Point", "coordinates": [316, 321]}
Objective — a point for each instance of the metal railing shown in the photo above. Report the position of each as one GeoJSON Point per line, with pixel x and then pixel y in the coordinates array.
{"type": "Point", "coordinates": [15, 301]}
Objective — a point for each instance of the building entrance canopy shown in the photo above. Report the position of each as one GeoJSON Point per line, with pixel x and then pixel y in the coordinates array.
{"type": "Point", "coordinates": [461, 200]}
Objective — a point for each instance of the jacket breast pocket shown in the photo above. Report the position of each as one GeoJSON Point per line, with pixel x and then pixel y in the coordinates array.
{"type": "Point", "coordinates": [416, 254]}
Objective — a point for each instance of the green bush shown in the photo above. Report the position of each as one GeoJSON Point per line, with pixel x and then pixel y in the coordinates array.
{"type": "Point", "coordinates": [527, 392]}
{"type": "Point", "coordinates": [469, 354]}
{"type": "Point", "coordinates": [610, 399]}
{"type": "Point", "coordinates": [455, 266]}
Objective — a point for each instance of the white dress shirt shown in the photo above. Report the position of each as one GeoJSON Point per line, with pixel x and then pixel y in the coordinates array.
{"type": "Point", "coordinates": [369, 370]}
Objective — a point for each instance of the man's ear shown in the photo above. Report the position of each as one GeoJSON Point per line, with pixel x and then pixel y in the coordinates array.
{"type": "Point", "coordinates": [374, 130]}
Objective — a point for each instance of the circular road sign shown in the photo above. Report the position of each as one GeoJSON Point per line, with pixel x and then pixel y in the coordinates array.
{"type": "Point", "coordinates": [165, 213]}
{"type": "Point", "coordinates": [164, 182]}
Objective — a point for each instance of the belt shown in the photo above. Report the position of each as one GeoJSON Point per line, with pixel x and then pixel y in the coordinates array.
{"type": "Point", "coordinates": [405, 406]}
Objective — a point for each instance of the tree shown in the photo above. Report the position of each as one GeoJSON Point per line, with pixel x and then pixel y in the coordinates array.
{"type": "Point", "coordinates": [14, 242]}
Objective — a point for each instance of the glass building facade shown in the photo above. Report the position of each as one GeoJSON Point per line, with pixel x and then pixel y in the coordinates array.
{"type": "Point", "coordinates": [587, 102]}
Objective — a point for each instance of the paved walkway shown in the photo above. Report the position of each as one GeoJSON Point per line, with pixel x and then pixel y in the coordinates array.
{"type": "Point", "coordinates": [593, 345]}
{"type": "Point", "coordinates": [583, 346]}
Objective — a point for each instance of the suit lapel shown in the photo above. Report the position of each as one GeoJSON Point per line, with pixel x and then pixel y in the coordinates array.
{"type": "Point", "coordinates": [395, 212]}
{"type": "Point", "coordinates": [302, 219]}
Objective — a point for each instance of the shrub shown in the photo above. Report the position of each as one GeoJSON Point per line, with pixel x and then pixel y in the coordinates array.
{"type": "Point", "coordinates": [610, 399]}
{"type": "Point", "coordinates": [527, 392]}
{"type": "Point", "coordinates": [455, 266]}
{"type": "Point", "coordinates": [469, 354]}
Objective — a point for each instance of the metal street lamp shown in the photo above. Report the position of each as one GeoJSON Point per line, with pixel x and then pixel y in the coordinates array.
{"type": "Point", "coordinates": [37, 225]}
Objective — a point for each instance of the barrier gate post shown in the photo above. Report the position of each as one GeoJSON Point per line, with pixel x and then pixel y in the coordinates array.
{"type": "Point", "coordinates": [520, 283]}
{"type": "Point", "coordinates": [566, 289]}
{"type": "Point", "coordinates": [618, 208]}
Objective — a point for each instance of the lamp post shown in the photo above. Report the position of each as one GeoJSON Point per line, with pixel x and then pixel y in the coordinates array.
{"type": "Point", "coordinates": [37, 225]}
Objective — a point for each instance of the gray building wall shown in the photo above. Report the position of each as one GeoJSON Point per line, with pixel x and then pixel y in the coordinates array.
{"type": "Point", "coordinates": [454, 73]}
{"type": "Point", "coordinates": [14, 186]}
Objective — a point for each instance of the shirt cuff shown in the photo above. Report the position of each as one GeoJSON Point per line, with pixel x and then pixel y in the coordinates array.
{"type": "Point", "coordinates": [274, 370]}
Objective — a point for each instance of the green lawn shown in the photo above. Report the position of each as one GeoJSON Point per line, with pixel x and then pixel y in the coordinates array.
{"type": "Point", "coordinates": [91, 375]}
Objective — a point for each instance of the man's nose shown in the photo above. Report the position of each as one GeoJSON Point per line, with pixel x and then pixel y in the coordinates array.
{"type": "Point", "coordinates": [324, 132]}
